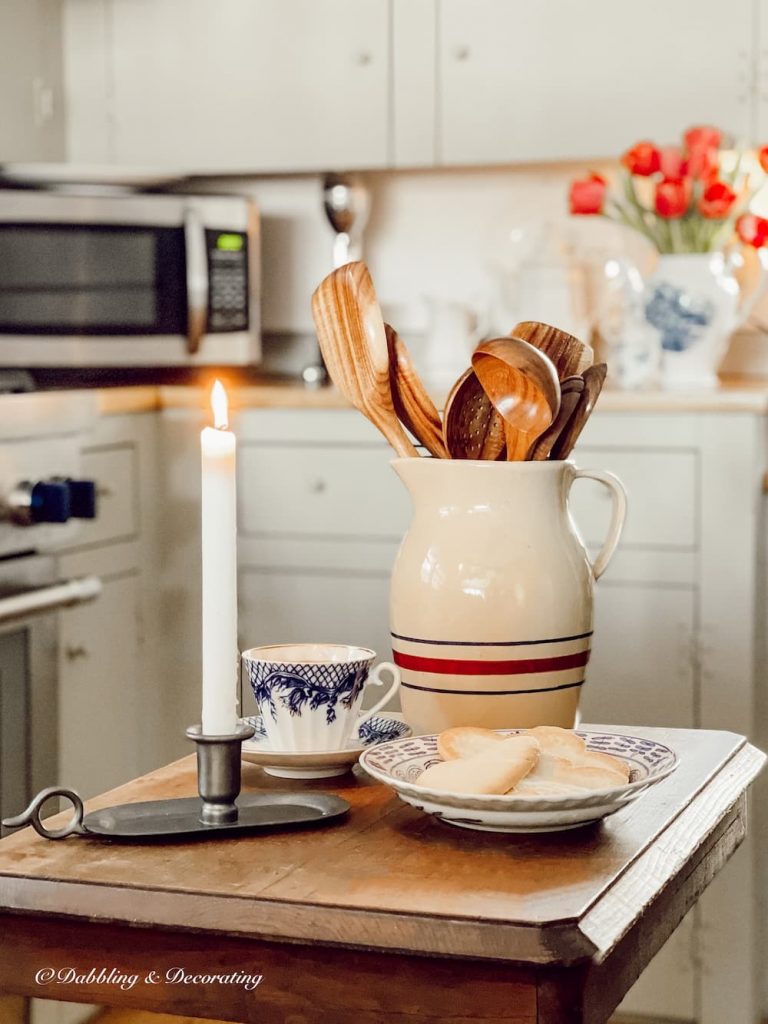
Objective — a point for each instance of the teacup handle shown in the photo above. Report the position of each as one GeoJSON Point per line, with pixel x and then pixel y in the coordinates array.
{"type": "Point", "coordinates": [619, 497]}
{"type": "Point", "coordinates": [376, 680]}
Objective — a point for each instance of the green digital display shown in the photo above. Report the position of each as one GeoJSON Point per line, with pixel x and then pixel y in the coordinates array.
{"type": "Point", "coordinates": [230, 243]}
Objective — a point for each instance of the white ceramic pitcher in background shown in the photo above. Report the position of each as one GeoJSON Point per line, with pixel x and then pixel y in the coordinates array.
{"type": "Point", "coordinates": [454, 331]}
{"type": "Point", "coordinates": [491, 594]}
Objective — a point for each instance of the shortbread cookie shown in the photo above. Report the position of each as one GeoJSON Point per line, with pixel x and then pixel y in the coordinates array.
{"type": "Point", "coordinates": [581, 773]}
{"type": "Point", "coordinates": [465, 741]}
{"type": "Point", "coordinates": [561, 747]}
{"type": "Point", "coordinates": [532, 785]}
{"type": "Point", "coordinates": [560, 742]}
{"type": "Point", "coordinates": [492, 771]}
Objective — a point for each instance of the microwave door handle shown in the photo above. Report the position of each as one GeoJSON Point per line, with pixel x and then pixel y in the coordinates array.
{"type": "Point", "coordinates": [197, 280]}
{"type": "Point", "coordinates": [43, 600]}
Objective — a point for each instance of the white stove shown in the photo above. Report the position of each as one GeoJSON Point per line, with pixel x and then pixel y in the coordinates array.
{"type": "Point", "coordinates": [44, 500]}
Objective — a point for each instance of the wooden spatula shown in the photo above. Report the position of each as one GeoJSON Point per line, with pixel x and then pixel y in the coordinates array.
{"type": "Point", "coordinates": [569, 355]}
{"type": "Point", "coordinates": [594, 378]}
{"type": "Point", "coordinates": [412, 403]}
{"type": "Point", "coordinates": [570, 389]}
{"type": "Point", "coordinates": [353, 341]}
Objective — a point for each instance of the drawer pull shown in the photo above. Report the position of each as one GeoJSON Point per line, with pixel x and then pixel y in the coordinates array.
{"type": "Point", "coordinates": [102, 491]}
{"type": "Point", "coordinates": [73, 653]}
{"type": "Point", "coordinates": [318, 487]}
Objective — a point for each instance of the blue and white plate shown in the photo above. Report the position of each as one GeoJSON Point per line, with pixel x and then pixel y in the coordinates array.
{"type": "Point", "coordinates": [321, 764]}
{"type": "Point", "coordinates": [400, 763]}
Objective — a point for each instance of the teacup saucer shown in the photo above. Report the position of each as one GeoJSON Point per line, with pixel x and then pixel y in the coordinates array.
{"type": "Point", "coordinates": [321, 764]}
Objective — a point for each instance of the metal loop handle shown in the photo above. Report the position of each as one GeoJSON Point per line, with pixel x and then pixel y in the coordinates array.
{"type": "Point", "coordinates": [31, 816]}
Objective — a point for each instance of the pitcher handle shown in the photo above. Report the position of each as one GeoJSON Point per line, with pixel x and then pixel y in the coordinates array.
{"type": "Point", "coordinates": [618, 515]}
{"type": "Point", "coordinates": [376, 680]}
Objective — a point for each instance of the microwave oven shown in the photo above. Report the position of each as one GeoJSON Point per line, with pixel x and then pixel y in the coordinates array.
{"type": "Point", "coordinates": [128, 280]}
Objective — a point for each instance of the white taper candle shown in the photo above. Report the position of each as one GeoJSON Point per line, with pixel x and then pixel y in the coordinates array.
{"type": "Point", "coordinates": [219, 543]}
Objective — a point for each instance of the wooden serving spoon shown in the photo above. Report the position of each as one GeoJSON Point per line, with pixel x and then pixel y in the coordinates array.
{"type": "Point", "coordinates": [570, 389]}
{"type": "Point", "coordinates": [413, 405]}
{"type": "Point", "coordinates": [353, 341]}
{"type": "Point", "coordinates": [523, 386]}
{"type": "Point", "coordinates": [594, 378]}
{"type": "Point", "coordinates": [472, 428]}
{"type": "Point", "coordinates": [569, 355]}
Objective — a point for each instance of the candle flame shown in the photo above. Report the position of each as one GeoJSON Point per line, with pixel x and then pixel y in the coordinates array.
{"type": "Point", "coordinates": [220, 406]}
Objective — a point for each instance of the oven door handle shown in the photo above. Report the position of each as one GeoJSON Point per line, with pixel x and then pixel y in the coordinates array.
{"type": "Point", "coordinates": [44, 600]}
{"type": "Point", "coordinates": [197, 279]}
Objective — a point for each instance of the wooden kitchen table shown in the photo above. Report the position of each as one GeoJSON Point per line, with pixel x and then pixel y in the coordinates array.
{"type": "Point", "coordinates": [388, 915]}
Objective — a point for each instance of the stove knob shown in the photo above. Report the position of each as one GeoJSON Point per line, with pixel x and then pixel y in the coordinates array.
{"type": "Point", "coordinates": [82, 498]}
{"type": "Point", "coordinates": [49, 502]}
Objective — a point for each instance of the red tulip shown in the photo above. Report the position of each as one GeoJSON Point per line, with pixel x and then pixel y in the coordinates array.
{"type": "Point", "coordinates": [702, 137]}
{"type": "Point", "coordinates": [673, 197]}
{"type": "Point", "coordinates": [588, 195]}
{"type": "Point", "coordinates": [752, 230]}
{"type": "Point", "coordinates": [642, 159]}
{"type": "Point", "coordinates": [762, 156]}
{"type": "Point", "coordinates": [671, 163]}
{"type": "Point", "coordinates": [702, 164]}
{"type": "Point", "coordinates": [716, 200]}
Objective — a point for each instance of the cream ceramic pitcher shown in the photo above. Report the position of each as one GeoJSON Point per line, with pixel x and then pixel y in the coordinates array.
{"type": "Point", "coordinates": [491, 595]}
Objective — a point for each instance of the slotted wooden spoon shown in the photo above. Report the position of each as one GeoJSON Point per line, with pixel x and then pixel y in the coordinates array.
{"type": "Point", "coordinates": [523, 386]}
{"type": "Point", "coordinates": [472, 428]}
{"type": "Point", "coordinates": [594, 378]}
{"type": "Point", "coordinates": [413, 405]}
{"type": "Point", "coordinates": [569, 355]}
{"type": "Point", "coordinates": [570, 389]}
{"type": "Point", "coordinates": [353, 341]}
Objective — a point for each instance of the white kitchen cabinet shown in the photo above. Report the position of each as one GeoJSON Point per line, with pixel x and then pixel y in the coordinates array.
{"type": "Point", "coordinates": [241, 86]}
{"type": "Point", "coordinates": [554, 80]}
{"type": "Point", "coordinates": [679, 624]}
{"type": "Point", "coordinates": [31, 108]}
{"type": "Point", "coordinates": [109, 687]}
{"type": "Point", "coordinates": [99, 714]}
{"type": "Point", "coordinates": [293, 85]}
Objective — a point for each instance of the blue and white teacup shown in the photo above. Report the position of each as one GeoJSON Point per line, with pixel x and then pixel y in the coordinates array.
{"type": "Point", "coordinates": [309, 695]}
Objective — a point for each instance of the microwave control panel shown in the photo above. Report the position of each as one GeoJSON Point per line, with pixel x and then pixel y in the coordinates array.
{"type": "Point", "coordinates": [228, 292]}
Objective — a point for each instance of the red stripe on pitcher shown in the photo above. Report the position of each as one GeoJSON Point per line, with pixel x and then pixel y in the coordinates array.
{"type": "Point", "coordinates": [473, 667]}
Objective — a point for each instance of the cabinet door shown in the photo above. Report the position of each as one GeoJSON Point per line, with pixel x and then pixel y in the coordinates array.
{"type": "Point", "coordinates": [251, 85]}
{"type": "Point", "coordinates": [558, 80]}
{"type": "Point", "coordinates": [99, 712]}
{"type": "Point", "coordinates": [641, 668]}
{"type": "Point", "coordinates": [31, 119]}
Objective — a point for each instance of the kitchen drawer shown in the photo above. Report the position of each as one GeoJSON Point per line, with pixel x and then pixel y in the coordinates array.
{"type": "Point", "coordinates": [323, 491]}
{"type": "Point", "coordinates": [114, 470]}
{"type": "Point", "coordinates": [661, 490]}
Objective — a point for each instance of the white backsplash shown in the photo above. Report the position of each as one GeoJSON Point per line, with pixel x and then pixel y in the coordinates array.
{"type": "Point", "coordinates": [439, 233]}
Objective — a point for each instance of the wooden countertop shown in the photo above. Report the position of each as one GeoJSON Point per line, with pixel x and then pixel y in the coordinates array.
{"type": "Point", "coordinates": [734, 395]}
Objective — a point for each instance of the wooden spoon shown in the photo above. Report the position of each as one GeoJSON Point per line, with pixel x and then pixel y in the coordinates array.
{"type": "Point", "coordinates": [522, 383]}
{"type": "Point", "coordinates": [413, 405]}
{"type": "Point", "coordinates": [570, 389]}
{"type": "Point", "coordinates": [569, 355]}
{"type": "Point", "coordinates": [472, 428]}
{"type": "Point", "coordinates": [353, 341]}
{"type": "Point", "coordinates": [594, 377]}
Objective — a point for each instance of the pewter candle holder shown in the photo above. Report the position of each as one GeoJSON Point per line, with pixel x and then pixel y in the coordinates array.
{"type": "Point", "coordinates": [215, 813]}
{"type": "Point", "coordinates": [219, 773]}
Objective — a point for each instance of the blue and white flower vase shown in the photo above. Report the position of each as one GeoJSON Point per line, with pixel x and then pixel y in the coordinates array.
{"type": "Point", "coordinates": [695, 302]}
